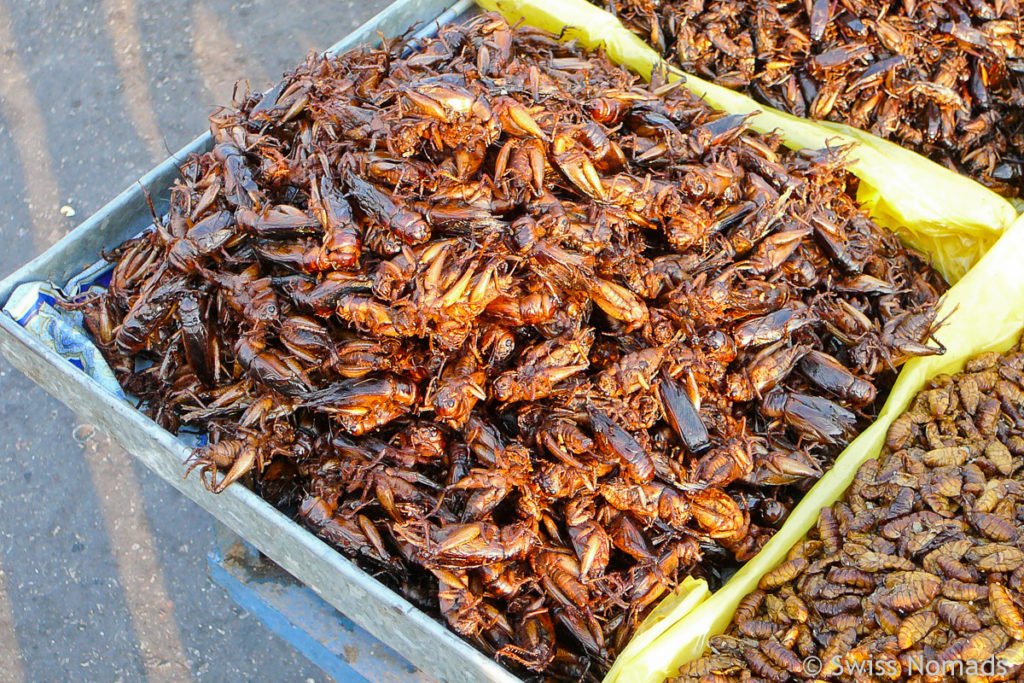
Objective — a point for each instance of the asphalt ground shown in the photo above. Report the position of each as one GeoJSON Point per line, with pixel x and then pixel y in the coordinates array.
{"type": "Point", "coordinates": [102, 564]}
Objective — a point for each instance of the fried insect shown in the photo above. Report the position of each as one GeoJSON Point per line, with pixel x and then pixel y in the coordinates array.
{"type": "Point", "coordinates": [943, 80]}
{"type": "Point", "coordinates": [528, 338]}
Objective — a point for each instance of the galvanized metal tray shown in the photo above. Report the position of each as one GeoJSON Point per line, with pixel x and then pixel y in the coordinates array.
{"type": "Point", "coordinates": [423, 641]}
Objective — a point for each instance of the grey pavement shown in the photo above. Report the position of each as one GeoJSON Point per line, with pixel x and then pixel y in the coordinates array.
{"type": "Point", "coordinates": [102, 564]}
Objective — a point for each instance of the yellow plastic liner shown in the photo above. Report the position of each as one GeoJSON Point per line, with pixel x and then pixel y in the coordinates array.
{"type": "Point", "coordinates": [932, 208]}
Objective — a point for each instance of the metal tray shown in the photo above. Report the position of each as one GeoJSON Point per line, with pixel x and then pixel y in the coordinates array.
{"type": "Point", "coordinates": [424, 642]}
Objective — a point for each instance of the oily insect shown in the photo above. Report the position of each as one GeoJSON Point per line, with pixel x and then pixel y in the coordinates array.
{"type": "Point", "coordinates": [941, 78]}
{"type": "Point", "coordinates": [528, 339]}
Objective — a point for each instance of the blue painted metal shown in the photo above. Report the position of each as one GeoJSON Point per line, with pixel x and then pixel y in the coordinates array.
{"type": "Point", "coordinates": [294, 612]}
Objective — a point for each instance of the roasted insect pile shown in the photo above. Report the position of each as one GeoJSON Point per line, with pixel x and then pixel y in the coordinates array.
{"type": "Point", "coordinates": [919, 570]}
{"type": "Point", "coordinates": [524, 336]}
{"type": "Point", "coordinates": [942, 78]}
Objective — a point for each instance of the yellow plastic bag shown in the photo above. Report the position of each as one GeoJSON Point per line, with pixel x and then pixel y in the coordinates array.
{"type": "Point", "coordinates": [932, 208]}
{"type": "Point", "coordinates": [986, 313]}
